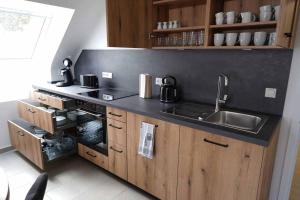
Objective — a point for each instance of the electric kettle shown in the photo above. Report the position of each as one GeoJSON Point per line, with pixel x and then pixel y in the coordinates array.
{"type": "Point", "coordinates": [168, 90]}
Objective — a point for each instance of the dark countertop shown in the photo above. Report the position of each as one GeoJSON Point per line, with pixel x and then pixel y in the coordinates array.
{"type": "Point", "coordinates": [153, 108]}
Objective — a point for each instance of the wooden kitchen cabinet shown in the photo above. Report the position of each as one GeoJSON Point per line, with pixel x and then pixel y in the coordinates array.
{"type": "Point", "coordinates": [26, 143]}
{"type": "Point", "coordinates": [117, 157]}
{"type": "Point", "coordinates": [31, 112]}
{"type": "Point", "coordinates": [158, 176]}
{"type": "Point", "coordinates": [116, 114]}
{"type": "Point", "coordinates": [28, 113]}
{"type": "Point", "coordinates": [117, 142]}
{"type": "Point", "coordinates": [133, 23]}
{"type": "Point", "coordinates": [52, 100]}
{"type": "Point", "coordinates": [213, 167]}
{"type": "Point", "coordinates": [93, 156]}
{"type": "Point", "coordinates": [129, 23]}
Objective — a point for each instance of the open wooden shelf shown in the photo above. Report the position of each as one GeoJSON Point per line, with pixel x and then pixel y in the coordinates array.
{"type": "Point", "coordinates": [172, 2]}
{"type": "Point", "coordinates": [215, 47]}
{"type": "Point", "coordinates": [199, 15]}
{"type": "Point", "coordinates": [269, 24]}
{"type": "Point", "coordinates": [182, 29]}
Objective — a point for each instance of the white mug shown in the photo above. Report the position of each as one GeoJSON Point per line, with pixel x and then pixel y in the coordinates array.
{"type": "Point", "coordinates": [231, 17]}
{"type": "Point", "coordinates": [176, 24]}
{"type": "Point", "coordinates": [231, 39]}
{"type": "Point", "coordinates": [260, 38]}
{"type": "Point", "coordinates": [159, 25]}
{"type": "Point", "coordinates": [277, 12]}
{"type": "Point", "coordinates": [265, 8]}
{"type": "Point", "coordinates": [265, 16]}
{"type": "Point", "coordinates": [219, 39]}
{"type": "Point", "coordinates": [170, 24]}
{"type": "Point", "coordinates": [248, 17]}
{"type": "Point", "coordinates": [165, 25]}
{"type": "Point", "coordinates": [272, 38]}
{"type": "Point", "coordinates": [219, 18]}
{"type": "Point", "coordinates": [245, 38]}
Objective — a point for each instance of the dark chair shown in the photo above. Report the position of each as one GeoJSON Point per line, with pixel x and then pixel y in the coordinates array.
{"type": "Point", "coordinates": [37, 190]}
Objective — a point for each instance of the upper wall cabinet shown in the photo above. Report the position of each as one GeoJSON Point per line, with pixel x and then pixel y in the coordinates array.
{"type": "Point", "coordinates": [191, 24]}
{"type": "Point", "coordinates": [128, 23]}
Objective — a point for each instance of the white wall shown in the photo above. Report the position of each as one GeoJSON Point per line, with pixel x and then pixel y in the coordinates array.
{"type": "Point", "coordinates": [289, 131]}
{"type": "Point", "coordinates": [87, 29]}
{"type": "Point", "coordinates": [8, 111]}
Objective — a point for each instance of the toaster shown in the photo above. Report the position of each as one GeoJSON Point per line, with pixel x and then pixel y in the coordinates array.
{"type": "Point", "coordinates": [89, 81]}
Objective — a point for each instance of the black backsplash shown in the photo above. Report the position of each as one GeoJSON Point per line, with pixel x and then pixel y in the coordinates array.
{"type": "Point", "coordinates": [249, 71]}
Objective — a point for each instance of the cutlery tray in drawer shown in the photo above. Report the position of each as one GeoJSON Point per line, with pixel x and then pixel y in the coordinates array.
{"type": "Point", "coordinates": [31, 111]}
{"type": "Point", "coordinates": [52, 100]}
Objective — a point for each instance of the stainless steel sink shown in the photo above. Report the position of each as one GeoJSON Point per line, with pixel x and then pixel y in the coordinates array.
{"type": "Point", "coordinates": [246, 122]}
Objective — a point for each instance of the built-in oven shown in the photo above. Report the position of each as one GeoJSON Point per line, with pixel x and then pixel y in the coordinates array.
{"type": "Point", "coordinates": [91, 128]}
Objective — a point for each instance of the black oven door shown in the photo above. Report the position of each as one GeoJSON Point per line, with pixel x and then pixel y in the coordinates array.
{"type": "Point", "coordinates": [92, 131]}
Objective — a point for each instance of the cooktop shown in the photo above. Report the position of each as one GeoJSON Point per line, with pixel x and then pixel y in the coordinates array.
{"type": "Point", "coordinates": [108, 94]}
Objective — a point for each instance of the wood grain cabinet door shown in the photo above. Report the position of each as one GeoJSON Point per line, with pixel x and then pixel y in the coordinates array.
{"type": "Point", "coordinates": [117, 160]}
{"type": "Point", "coordinates": [287, 24]}
{"type": "Point", "coordinates": [25, 112]}
{"type": "Point", "coordinates": [45, 120]}
{"type": "Point", "coordinates": [129, 23]}
{"type": "Point", "coordinates": [33, 150]}
{"type": "Point", "coordinates": [212, 167]}
{"type": "Point", "coordinates": [13, 136]}
{"type": "Point", "coordinates": [157, 176]}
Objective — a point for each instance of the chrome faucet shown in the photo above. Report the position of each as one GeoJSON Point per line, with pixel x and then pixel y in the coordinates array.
{"type": "Point", "coordinates": [222, 91]}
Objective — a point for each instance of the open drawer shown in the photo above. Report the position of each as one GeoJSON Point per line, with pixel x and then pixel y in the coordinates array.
{"type": "Point", "coordinates": [45, 119]}
{"type": "Point", "coordinates": [52, 100]}
{"type": "Point", "coordinates": [29, 144]}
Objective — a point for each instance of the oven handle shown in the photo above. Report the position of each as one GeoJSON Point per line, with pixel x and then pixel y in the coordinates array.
{"type": "Point", "coordinates": [99, 116]}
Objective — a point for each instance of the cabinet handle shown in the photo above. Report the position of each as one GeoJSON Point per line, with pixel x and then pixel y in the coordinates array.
{"type": "Point", "coordinates": [29, 110]}
{"type": "Point", "coordinates": [20, 133]}
{"type": "Point", "coordinates": [118, 151]}
{"type": "Point", "coordinates": [215, 143]}
{"type": "Point", "coordinates": [42, 99]}
{"type": "Point", "coordinates": [288, 35]}
{"type": "Point", "coordinates": [115, 126]}
{"type": "Point", "coordinates": [88, 153]}
{"type": "Point", "coordinates": [116, 115]}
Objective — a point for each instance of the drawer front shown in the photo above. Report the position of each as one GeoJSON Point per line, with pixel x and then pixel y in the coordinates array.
{"type": "Point", "coordinates": [116, 132]}
{"type": "Point", "coordinates": [28, 113]}
{"type": "Point", "coordinates": [53, 101]}
{"type": "Point", "coordinates": [27, 144]}
{"type": "Point", "coordinates": [36, 116]}
{"type": "Point", "coordinates": [40, 97]}
{"type": "Point", "coordinates": [93, 156]}
{"type": "Point", "coordinates": [116, 114]}
{"type": "Point", "coordinates": [117, 160]}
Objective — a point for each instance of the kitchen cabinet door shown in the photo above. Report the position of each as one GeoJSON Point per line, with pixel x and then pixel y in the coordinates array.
{"type": "Point", "coordinates": [287, 24]}
{"type": "Point", "coordinates": [117, 160]}
{"type": "Point", "coordinates": [13, 136]}
{"type": "Point", "coordinates": [26, 112]}
{"type": "Point", "coordinates": [158, 176]}
{"type": "Point", "coordinates": [27, 144]}
{"type": "Point", "coordinates": [212, 167]}
{"type": "Point", "coordinates": [129, 23]}
{"type": "Point", "coordinates": [33, 150]}
{"type": "Point", "coordinates": [46, 121]}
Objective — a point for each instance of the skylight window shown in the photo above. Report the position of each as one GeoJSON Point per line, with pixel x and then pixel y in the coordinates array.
{"type": "Point", "coordinates": [19, 33]}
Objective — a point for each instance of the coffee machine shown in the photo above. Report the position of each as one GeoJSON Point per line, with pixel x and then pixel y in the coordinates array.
{"type": "Point", "coordinates": [66, 73]}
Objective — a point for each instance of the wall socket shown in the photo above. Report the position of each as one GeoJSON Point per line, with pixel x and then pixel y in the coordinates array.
{"type": "Point", "coordinates": [107, 75]}
{"type": "Point", "coordinates": [271, 93]}
{"type": "Point", "coordinates": [158, 81]}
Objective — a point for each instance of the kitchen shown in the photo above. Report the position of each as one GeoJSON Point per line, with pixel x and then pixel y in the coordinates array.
{"type": "Point", "coordinates": [200, 148]}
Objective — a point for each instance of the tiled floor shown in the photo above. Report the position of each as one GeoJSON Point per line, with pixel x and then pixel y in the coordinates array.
{"type": "Point", "coordinates": [69, 179]}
